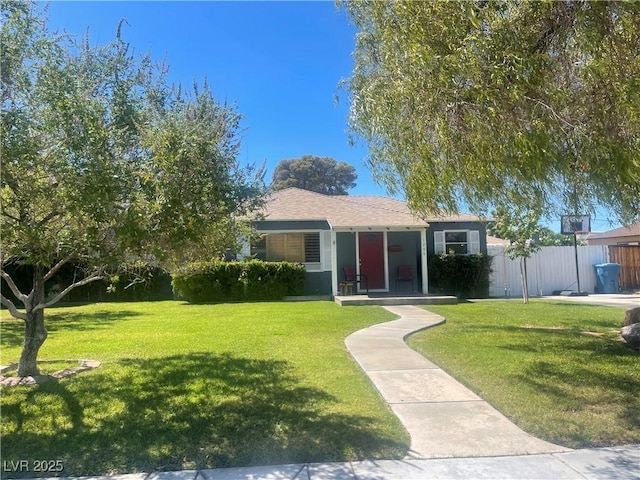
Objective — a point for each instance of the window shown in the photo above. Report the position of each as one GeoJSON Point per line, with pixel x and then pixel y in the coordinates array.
{"type": "Point", "coordinates": [456, 242]}
{"type": "Point", "coordinates": [293, 247]}
{"type": "Point", "coordinates": [460, 242]}
{"type": "Point", "coordinates": [312, 247]}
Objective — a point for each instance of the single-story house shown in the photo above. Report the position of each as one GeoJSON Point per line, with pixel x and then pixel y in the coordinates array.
{"type": "Point", "coordinates": [619, 236]}
{"type": "Point", "coordinates": [374, 243]}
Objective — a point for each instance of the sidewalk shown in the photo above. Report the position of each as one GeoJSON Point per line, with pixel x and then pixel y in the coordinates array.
{"type": "Point", "coordinates": [619, 463]}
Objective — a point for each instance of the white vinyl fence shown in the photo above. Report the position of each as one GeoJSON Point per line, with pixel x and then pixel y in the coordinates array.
{"type": "Point", "coordinates": [548, 270]}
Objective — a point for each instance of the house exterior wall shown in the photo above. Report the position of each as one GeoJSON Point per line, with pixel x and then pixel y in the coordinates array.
{"type": "Point", "coordinates": [404, 249]}
{"type": "Point", "coordinates": [318, 276]}
{"type": "Point", "coordinates": [346, 249]}
{"type": "Point", "coordinates": [628, 240]}
{"type": "Point", "coordinates": [318, 283]}
{"type": "Point", "coordinates": [291, 225]}
{"type": "Point", "coordinates": [442, 226]}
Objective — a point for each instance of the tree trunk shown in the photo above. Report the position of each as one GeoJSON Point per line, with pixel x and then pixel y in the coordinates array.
{"type": "Point", "coordinates": [525, 281]}
{"type": "Point", "coordinates": [35, 332]}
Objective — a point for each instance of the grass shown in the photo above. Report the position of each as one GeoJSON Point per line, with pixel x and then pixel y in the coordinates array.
{"type": "Point", "coordinates": [557, 369]}
{"type": "Point", "coordinates": [198, 386]}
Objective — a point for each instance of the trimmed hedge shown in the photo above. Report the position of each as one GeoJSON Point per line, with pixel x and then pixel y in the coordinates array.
{"type": "Point", "coordinates": [254, 280]}
{"type": "Point", "coordinates": [465, 276]}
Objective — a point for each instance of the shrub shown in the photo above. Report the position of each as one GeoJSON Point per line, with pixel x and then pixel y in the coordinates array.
{"type": "Point", "coordinates": [254, 280]}
{"type": "Point", "coordinates": [465, 276]}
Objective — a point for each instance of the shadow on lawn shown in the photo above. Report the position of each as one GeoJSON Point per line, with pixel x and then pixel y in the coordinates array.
{"type": "Point", "coordinates": [13, 331]}
{"type": "Point", "coordinates": [182, 412]}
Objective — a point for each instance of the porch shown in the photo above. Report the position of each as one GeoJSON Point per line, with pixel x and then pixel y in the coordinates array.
{"type": "Point", "coordinates": [394, 299]}
{"type": "Point", "coordinates": [389, 261]}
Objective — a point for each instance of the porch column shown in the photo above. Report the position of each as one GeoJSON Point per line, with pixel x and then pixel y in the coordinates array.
{"type": "Point", "coordinates": [423, 249]}
{"type": "Point", "coordinates": [334, 263]}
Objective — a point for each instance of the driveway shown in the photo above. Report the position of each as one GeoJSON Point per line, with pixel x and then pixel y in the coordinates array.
{"type": "Point", "coordinates": [624, 300]}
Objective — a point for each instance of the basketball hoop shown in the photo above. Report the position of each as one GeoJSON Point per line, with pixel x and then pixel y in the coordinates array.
{"type": "Point", "coordinates": [575, 224]}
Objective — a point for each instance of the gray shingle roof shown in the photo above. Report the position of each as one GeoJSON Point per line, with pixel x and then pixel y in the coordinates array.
{"type": "Point", "coordinates": [630, 231]}
{"type": "Point", "coordinates": [344, 211]}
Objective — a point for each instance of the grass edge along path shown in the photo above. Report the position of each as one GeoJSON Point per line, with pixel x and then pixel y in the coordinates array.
{"type": "Point", "coordinates": [198, 386]}
{"type": "Point", "coordinates": [558, 370]}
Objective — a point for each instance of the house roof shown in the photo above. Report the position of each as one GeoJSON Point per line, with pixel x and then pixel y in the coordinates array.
{"type": "Point", "coordinates": [631, 231]}
{"type": "Point", "coordinates": [345, 211]}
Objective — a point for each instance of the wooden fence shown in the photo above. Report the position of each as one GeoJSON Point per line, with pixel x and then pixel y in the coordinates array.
{"type": "Point", "coordinates": [548, 270]}
{"type": "Point", "coordinates": [628, 256]}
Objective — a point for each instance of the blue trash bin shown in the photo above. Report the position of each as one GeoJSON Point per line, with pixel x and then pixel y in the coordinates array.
{"type": "Point", "coordinates": [607, 277]}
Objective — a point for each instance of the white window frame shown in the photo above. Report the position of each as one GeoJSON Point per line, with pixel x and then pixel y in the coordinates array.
{"type": "Point", "coordinates": [440, 241]}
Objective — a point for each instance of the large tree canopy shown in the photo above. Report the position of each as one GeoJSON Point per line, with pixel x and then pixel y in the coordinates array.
{"type": "Point", "coordinates": [103, 162]}
{"type": "Point", "coordinates": [318, 174]}
{"type": "Point", "coordinates": [490, 101]}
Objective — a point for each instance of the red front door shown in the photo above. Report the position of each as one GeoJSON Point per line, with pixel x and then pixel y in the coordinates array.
{"type": "Point", "coordinates": [371, 251]}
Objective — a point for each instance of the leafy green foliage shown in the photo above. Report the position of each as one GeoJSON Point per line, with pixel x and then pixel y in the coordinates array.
{"type": "Point", "coordinates": [549, 238]}
{"type": "Point", "coordinates": [519, 226]}
{"type": "Point", "coordinates": [465, 276]}
{"type": "Point", "coordinates": [253, 280]}
{"type": "Point", "coordinates": [103, 161]}
{"type": "Point", "coordinates": [495, 102]}
{"type": "Point", "coordinates": [318, 174]}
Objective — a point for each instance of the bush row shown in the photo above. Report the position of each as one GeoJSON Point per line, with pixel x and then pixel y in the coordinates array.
{"type": "Point", "coordinates": [465, 276]}
{"type": "Point", "coordinates": [253, 280]}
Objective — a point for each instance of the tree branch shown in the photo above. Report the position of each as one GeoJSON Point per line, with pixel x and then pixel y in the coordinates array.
{"type": "Point", "coordinates": [12, 308]}
{"type": "Point", "coordinates": [16, 219]}
{"type": "Point", "coordinates": [46, 219]}
{"type": "Point", "coordinates": [553, 112]}
{"type": "Point", "coordinates": [58, 266]}
{"type": "Point", "coordinates": [93, 278]}
{"type": "Point", "coordinates": [21, 296]}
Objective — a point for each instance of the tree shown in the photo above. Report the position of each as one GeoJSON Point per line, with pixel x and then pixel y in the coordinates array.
{"type": "Point", "coordinates": [318, 174]}
{"type": "Point", "coordinates": [519, 226]}
{"type": "Point", "coordinates": [549, 238]}
{"type": "Point", "coordinates": [102, 162]}
{"type": "Point", "coordinates": [480, 102]}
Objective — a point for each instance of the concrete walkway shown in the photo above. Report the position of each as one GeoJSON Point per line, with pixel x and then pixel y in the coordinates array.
{"type": "Point", "coordinates": [443, 417]}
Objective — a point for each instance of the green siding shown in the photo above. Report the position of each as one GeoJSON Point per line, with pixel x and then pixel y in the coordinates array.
{"type": "Point", "coordinates": [318, 283]}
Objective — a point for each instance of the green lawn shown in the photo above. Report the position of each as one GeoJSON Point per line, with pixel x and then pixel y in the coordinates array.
{"type": "Point", "coordinates": [557, 369]}
{"type": "Point", "coordinates": [198, 386]}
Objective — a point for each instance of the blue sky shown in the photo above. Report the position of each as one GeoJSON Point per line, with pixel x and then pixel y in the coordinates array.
{"type": "Point", "coordinates": [280, 63]}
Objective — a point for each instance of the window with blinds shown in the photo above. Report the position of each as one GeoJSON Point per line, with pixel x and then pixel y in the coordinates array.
{"type": "Point", "coordinates": [312, 247]}
{"type": "Point", "coordinates": [293, 247]}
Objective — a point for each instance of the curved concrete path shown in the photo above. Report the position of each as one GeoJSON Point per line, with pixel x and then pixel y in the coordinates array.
{"type": "Point", "coordinates": [443, 417]}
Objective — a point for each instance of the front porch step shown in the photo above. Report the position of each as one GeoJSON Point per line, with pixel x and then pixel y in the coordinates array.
{"type": "Point", "coordinates": [353, 300]}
